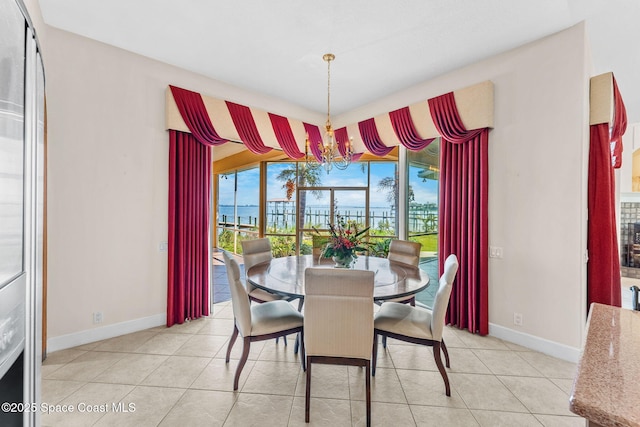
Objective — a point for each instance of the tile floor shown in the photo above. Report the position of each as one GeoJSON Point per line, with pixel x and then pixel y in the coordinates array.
{"type": "Point", "coordinates": [177, 376]}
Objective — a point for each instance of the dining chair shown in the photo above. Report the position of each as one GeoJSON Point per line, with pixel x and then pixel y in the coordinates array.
{"type": "Point", "coordinates": [258, 251]}
{"type": "Point", "coordinates": [338, 322]}
{"type": "Point", "coordinates": [405, 252]}
{"type": "Point", "coordinates": [418, 325]}
{"type": "Point", "coordinates": [254, 252]}
{"type": "Point", "coordinates": [408, 253]}
{"type": "Point", "coordinates": [258, 322]}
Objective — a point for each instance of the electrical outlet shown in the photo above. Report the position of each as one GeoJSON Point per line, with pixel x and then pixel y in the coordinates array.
{"type": "Point", "coordinates": [97, 317]}
{"type": "Point", "coordinates": [517, 319]}
{"type": "Point", "coordinates": [495, 252]}
{"type": "Point", "coordinates": [163, 247]}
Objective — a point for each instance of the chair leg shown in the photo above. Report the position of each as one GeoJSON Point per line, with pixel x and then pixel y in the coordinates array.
{"type": "Point", "coordinates": [438, 359]}
{"type": "Point", "coordinates": [307, 399]}
{"type": "Point", "coordinates": [302, 352]}
{"type": "Point", "coordinates": [232, 341]}
{"type": "Point", "coordinates": [297, 344]}
{"type": "Point", "coordinates": [368, 391]}
{"type": "Point", "coordinates": [446, 354]}
{"type": "Point", "coordinates": [384, 341]}
{"type": "Point", "coordinates": [245, 355]}
{"type": "Point", "coordinates": [374, 354]}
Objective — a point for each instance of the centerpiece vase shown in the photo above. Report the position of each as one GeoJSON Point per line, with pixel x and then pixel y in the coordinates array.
{"type": "Point", "coordinates": [343, 260]}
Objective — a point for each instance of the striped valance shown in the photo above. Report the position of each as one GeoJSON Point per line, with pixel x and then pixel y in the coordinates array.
{"type": "Point", "coordinates": [262, 131]}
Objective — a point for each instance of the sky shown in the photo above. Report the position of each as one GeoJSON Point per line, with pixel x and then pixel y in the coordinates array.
{"type": "Point", "coordinates": [249, 184]}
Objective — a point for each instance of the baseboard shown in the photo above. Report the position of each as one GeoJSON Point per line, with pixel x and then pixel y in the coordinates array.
{"type": "Point", "coordinates": [104, 332]}
{"type": "Point", "coordinates": [560, 351]}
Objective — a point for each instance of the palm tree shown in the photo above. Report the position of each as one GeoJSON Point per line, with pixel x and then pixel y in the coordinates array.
{"type": "Point", "coordinates": [389, 185]}
{"type": "Point", "coordinates": [307, 175]}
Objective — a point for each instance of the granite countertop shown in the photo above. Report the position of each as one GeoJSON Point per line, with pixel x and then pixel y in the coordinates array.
{"type": "Point", "coordinates": [606, 389]}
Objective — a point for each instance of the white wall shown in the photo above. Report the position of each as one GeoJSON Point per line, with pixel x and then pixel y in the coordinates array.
{"type": "Point", "coordinates": [108, 183]}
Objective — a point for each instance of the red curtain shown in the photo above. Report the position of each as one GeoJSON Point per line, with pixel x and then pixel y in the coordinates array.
{"type": "Point", "coordinates": [189, 215]}
{"type": "Point", "coordinates": [464, 187]}
{"type": "Point", "coordinates": [605, 154]}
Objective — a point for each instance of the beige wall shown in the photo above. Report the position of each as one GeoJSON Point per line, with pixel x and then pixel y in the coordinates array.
{"type": "Point", "coordinates": [108, 183]}
{"type": "Point", "coordinates": [537, 184]}
{"type": "Point", "coordinates": [108, 162]}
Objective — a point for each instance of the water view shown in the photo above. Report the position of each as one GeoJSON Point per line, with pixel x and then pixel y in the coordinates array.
{"type": "Point", "coordinates": [282, 216]}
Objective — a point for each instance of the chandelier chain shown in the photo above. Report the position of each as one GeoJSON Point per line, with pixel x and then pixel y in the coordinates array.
{"type": "Point", "coordinates": [328, 57]}
{"type": "Point", "coordinates": [329, 151]}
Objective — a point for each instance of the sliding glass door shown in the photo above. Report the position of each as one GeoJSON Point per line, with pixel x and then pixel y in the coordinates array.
{"type": "Point", "coordinates": [423, 210]}
{"type": "Point", "coordinates": [237, 208]}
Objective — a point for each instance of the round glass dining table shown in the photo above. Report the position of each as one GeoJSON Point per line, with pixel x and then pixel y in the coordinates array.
{"type": "Point", "coordinates": [285, 275]}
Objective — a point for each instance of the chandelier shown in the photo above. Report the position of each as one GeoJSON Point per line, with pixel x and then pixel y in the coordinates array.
{"type": "Point", "coordinates": [329, 154]}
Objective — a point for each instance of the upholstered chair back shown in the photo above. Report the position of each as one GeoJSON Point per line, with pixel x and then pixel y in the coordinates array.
{"type": "Point", "coordinates": [239, 298]}
{"type": "Point", "coordinates": [405, 252]}
{"type": "Point", "coordinates": [338, 312]}
{"type": "Point", "coordinates": [256, 251]}
{"type": "Point", "coordinates": [441, 300]}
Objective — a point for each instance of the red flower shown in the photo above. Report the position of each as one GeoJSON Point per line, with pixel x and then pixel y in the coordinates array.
{"type": "Point", "coordinates": [345, 238]}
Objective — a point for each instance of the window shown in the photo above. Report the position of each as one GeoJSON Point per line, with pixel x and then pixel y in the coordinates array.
{"type": "Point", "coordinates": [281, 213]}
{"type": "Point", "coordinates": [238, 208]}
{"type": "Point", "coordinates": [422, 211]}
{"type": "Point", "coordinates": [304, 198]}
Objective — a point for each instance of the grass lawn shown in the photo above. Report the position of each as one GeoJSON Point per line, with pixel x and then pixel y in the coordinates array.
{"type": "Point", "coordinates": [429, 242]}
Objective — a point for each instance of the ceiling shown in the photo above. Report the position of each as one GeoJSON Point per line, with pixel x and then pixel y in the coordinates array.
{"type": "Point", "coordinates": [275, 47]}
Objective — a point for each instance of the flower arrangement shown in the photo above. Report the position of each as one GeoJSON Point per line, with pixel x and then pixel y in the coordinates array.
{"type": "Point", "coordinates": [344, 241]}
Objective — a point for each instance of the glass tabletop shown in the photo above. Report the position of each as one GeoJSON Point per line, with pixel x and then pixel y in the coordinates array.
{"type": "Point", "coordinates": [286, 275]}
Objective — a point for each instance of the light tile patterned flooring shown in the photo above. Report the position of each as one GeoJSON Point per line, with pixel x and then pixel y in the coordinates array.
{"type": "Point", "coordinates": [177, 376]}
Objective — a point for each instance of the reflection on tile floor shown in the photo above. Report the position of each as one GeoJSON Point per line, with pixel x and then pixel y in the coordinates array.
{"type": "Point", "coordinates": [177, 376]}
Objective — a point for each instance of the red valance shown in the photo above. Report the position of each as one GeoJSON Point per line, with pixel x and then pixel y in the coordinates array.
{"type": "Point", "coordinates": [342, 136]}
{"type": "Point", "coordinates": [406, 131]}
{"type": "Point", "coordinates": [249, 125]}
{"type": "Point", "coordinates": [285, 136]}
{"type": "Point", "coordinates": [371, 138]}
{"type": "Point", "coordinates": [315, 139]}
{"type": "Point", "coordinates": [446, 118]}
{"type": "Point", "coordinates": [619, 126]}
{"type": "Point", "coordinates": [195, 116]}
{"type": "Point", "coordinates": [246, 127]}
